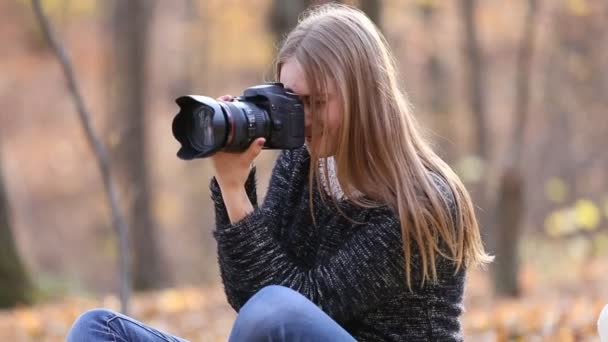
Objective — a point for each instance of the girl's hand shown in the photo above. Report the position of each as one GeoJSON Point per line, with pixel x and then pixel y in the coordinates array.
{"type": "Point", "coordinates": [232, 168]}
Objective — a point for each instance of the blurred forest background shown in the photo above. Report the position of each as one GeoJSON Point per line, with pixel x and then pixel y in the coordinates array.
{"type": "Point", "coordinates": [513, 93]}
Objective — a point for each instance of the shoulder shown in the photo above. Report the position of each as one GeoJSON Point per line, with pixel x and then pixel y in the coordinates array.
{"type": "Point", "coordinates": [290, 166]}
{"type": "Point", "coordinates": [443, 187]}
{"type": "Point", "coordinates": [439, 186]}
{"type": "Point", "coordinates": [446, 193]}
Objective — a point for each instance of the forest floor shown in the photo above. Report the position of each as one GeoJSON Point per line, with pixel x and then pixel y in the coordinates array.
{"type": "Point", "coordinates": [565, 309]}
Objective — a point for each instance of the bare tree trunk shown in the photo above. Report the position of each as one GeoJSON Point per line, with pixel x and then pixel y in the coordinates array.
{"type": "Point", "coordinates": [15, 285]}
{"type": "Point", "coordinates": [475, 84]}
{"type": "Point", "coordinates": [373, 9]}
{"type": "Point", "coordinates": [101, 155]}
{"type": "Point", "coordinates": [475, 69]}
{"type": "Point", "coordinates": [284, 16]}
{"type": "Point", "coordinates": [510, 204]}
{"type": "Point", "coordinates": [194, 54]}
{"type": "Point", "coordinates": [131, 22]}
{"type": "Point", "coordinates": [438, 87]}
{"type": "Point", "coordinates": [522, 82]}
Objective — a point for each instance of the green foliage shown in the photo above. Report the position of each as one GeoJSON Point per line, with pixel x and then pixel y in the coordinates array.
{"type": "Point", "coordinates": [588, 214]}
{"type": "Point", "coordinates": [433, 4]}
{"type": "Point", "coordinates": [556, 190]}
{"type": "Point", "coordinates": [57, 8]}
{"type": "Point", "coordinates": [584, 215]}
{"type": "Point", "coordinates": [51, 286]}
{"type": "Point", "coordinates": [470, 168]}
{"type": "Point", "coordinates": [14, 286]}
{"type": "Point", "coordinates": [14, 279]}
{"type": "Point", "coordinates": [600, 243]}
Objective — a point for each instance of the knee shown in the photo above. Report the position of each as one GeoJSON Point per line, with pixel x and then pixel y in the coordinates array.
{"type": "Point", "coordinates": [270, 309]}
{"type": "Point", "coordinates": [88, 323]}
{"type": "Point", "coordinates": [274, 302]}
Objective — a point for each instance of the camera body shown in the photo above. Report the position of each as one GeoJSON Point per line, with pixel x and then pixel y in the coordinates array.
{"type": "Point", "coordinates": [204, 126]}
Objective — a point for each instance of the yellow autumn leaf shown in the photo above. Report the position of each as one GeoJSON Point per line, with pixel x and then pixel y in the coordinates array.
{"type": "Point", "coordinates": [588, 215]}
{"type": "Point", "coordinates": [171, 301]}
{"type": "Point", "coordinates": [29, 321]}
{"type": "Point", "coordinates": [84, 7]}
{"type": "Point", "coordinates": [561, 222]}
{"type": "Point", "coordinates": [578, 7]}
{"type": "Point", "coordinates": [428, 3]}
{"type": "Point", "coordinates": [54, 7]}
{"type": "Point", "coordinates": [606, 207]}
{"type": "Point", "coordinates": [565, 334]}
{"type": "Point", "coordinates": [556, 190]}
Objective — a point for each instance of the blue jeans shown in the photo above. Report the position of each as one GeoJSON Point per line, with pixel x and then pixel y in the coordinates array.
{"type": "Point", "coordinates": [275, 313]}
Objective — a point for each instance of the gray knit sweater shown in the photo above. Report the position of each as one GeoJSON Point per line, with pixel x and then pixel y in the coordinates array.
{"type": "Point", "coordinates": [353, 272]}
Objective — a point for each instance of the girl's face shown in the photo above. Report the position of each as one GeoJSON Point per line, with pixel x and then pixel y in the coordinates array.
{"type": "Point", "coordinates": [328, 109]}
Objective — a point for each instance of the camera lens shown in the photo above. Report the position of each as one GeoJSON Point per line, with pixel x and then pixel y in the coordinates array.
{"type": "Point", "coordinates": [246, 121]}
{"type": "Point", "coordinates": [201, 134]}
{"type": "Point", "coordinates": [200, 126]}
{"type": "Point", "coordinates": [204, 126]}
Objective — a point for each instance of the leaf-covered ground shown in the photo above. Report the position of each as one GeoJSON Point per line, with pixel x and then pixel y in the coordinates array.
{"type": "Point", "coordinates": [564, 310]}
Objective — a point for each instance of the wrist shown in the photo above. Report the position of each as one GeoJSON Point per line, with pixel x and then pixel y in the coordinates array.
{"type": "Point", "coordinates": [237, 203]}
{"type": "Point", "coordinates": [230, 188]}
{"type": "Point", "coordinates": [233, 184]}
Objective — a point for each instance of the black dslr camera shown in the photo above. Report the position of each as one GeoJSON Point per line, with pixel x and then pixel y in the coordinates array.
{"type": "Point", "coordinates": [204, 126]}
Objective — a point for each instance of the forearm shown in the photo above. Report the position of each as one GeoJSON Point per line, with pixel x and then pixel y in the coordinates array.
{"type": "Point", "coordinates": [237, 203]}
{"type": "Point", "coordinates": [230, 242]}
{"type": "Point", "coordinates": [221, 213]}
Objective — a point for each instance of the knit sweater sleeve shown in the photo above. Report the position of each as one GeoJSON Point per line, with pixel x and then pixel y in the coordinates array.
{"type": "Point", "coordinates": [276, 189]}
{"type": "Point", "coordinates": [221, 213]}
{"type": "Point", "coordinates": [363, 273]}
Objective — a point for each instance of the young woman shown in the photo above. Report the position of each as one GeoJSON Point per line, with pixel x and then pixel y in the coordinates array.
{"type": "Point", "coordinates": [365, 233]}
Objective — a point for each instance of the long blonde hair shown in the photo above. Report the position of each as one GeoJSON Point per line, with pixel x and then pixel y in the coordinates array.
{"type": "Point", "coordinates": [380, 151]}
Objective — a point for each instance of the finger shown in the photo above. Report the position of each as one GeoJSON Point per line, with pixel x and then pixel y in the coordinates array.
{"type": "Point", "coordinates": [255, 148]}
{"type": "Point", "coordinates": [225, 98]}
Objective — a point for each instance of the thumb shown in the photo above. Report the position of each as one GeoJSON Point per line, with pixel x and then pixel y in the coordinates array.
{"type": "Point", "coordinates": [255, 148]}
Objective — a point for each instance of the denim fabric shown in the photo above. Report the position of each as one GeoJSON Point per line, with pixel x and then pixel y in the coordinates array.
{"type": "Point", "coordinates": [106, 325]}
{"type": "Point", "coordinates": [275, 313]}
